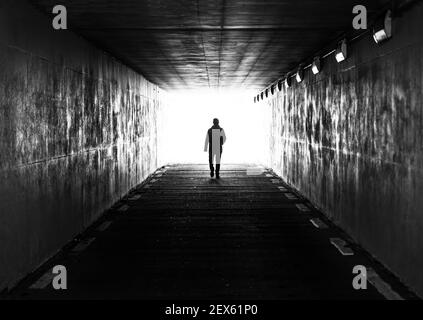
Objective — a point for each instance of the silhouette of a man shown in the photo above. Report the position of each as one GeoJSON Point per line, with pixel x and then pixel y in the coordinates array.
{"type": "Point", "coordinates": [215, 139]}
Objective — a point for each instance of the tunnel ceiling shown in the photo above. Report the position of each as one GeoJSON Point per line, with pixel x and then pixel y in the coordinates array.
{"type": "Point", "coordinates": [199, 43]}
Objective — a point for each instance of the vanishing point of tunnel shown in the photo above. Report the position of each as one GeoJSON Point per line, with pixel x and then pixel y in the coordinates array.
{"type": "Point", "coordinates": [317, 189]}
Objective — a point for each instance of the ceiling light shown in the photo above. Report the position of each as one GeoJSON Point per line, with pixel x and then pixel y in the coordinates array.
{"type": "Point", "coordinates": [272, 89]}
{"type": "Point", "coordinates": [280, 85]}
{"type": "Point", "coordinates": [300, 74]}
{"type": "Point", "coordinates": [288, 81]}
{"type": "Point", "coordinates": [341, 51]}
{"type": "Point", "coordinates": [262, 95]}
{"type": "Point", "coordinates": [267, 92]}
{"type": "Point", "coordinates": [382, 29]}
{"type": "Point", "coordinates": [316, 66]}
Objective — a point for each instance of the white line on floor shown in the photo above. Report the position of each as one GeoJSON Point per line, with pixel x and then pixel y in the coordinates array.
{"type": "Point", "coordinates": [275, 181]}
{"type": "Point", "coordinates": [84, 244]}
{"type": "Point", "coordinates": [135, 197]}
{"type": "Point", "coordinates": [319, 224]}
{"type": "Point", "coordinates": [104, 226]}
{"type": "Point", "coordinates": [302, 207]}
{"type": "Point", "coordinates": [123, 208]}
{"type": "Point", "coordinates": [153, 180]}
{"type": "Point", "coordinates": [254, 171]}
{"type": "Point", "coordinates": [341, 246]}
{"type": "Point", "coordinates": [290, 196]}
{"type": "Point", "coordinates": [384, 288]}
{"type": "Point", "coordinates": [43, 281]}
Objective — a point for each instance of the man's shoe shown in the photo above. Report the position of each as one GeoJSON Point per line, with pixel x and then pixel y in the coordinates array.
{"type": "Point", "coordinates": [218, 171]}
{"type": "Point", "coordinates": [212, 173]}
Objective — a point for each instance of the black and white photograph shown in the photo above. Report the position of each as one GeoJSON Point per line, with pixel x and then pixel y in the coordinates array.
{"type": "Point", "coordinates": [211, 159]}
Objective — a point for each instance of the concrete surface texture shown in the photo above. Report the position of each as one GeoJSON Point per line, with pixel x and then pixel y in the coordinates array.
{"type": "Point", "coordinates": [182, 235]}
{"type": "Point", "coordinates": [187, 44]}
{"type": "Point", "coordinates": [77, 131]}
{"type": "Point", "coordinates": [350, 139]}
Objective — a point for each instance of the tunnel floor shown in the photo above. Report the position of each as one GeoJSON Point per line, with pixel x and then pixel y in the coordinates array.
{"type": "Point", "coordinates": [182, 235]}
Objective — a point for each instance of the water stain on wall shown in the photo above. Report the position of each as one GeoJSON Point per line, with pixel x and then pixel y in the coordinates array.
{"type": "Point", "coordinates": [351, 140]}
{"type": "Point", "coordinates": [77, 131]}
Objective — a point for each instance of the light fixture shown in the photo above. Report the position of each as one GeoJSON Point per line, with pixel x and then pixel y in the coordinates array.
{"type": "Point", "coordinates": [341, 51]}
{"type": "Point", "coordinates": [288, 81]}
{"type": "Point", "coordinates": [258, 97]}
{"type": "Point", "coordinates": [267, 93]}
{"type": "Point", "coordinates": [382, 29]}
{"type": "Point", "coordinates": [255, 99]}
{"type": "Point", "coordinates": [300, 74]}
{"type": "Point", "coordinates": [316, 66]}
{"type": "Point", "coordinates": [280, 82]}
{"type": "Point", "coordinates": [262, 95]}
{"type": "Point", "coordinates": [272, 89]}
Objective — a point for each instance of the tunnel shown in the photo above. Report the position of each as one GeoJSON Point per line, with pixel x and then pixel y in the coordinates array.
{"type": "Point", "coordinates": [107, 128]}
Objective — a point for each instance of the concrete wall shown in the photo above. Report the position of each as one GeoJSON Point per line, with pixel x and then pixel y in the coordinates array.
{"type": "Point", "coordinates": [77, 131]}
{"type": "Point", "coordinates": [351, 140]}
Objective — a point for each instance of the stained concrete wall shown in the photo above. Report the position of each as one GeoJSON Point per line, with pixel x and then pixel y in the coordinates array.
{"type": "Point", "coordinates": [351, 140]}
{"type": "Point", "coordinates": [77, 131]}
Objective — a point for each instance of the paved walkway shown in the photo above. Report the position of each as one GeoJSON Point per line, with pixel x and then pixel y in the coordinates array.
{"type": "Point", "coordinates": [186, 236]}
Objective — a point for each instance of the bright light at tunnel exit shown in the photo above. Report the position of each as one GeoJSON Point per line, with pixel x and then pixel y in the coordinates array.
{"type": "Point", "coordinates": [187, 115]}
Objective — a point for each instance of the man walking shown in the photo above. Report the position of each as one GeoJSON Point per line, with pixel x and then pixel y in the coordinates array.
{"type": "Point", "coordinates": [215, 139]}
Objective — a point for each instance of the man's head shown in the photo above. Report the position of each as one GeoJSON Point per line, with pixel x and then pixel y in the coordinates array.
{"type": "Point", "coordinates": [216, 121]}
